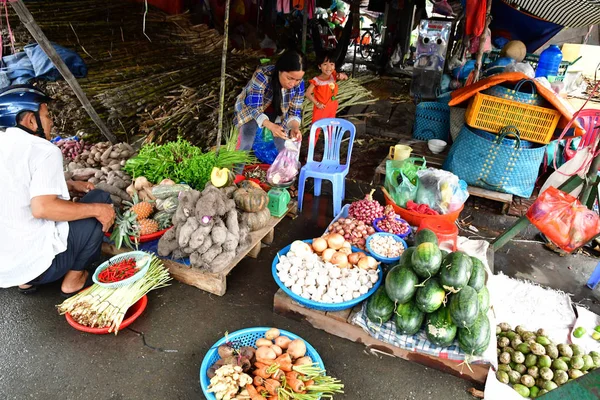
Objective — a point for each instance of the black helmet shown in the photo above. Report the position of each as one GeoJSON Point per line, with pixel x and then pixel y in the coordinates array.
{"type": "Point", "coordinates": [17, 99]}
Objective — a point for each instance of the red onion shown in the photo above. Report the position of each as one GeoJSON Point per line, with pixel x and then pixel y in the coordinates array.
{"type": "Point", "coordinates": [366, 210]}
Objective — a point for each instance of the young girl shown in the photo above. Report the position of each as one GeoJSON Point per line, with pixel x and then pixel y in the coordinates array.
{"type": "Point", "coordinates": [323, 89]}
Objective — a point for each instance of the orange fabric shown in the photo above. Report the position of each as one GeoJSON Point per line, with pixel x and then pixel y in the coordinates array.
{"type": "Point", "coordinates": [461, 95]}
{"type": "Point", "coordinates": [323, 93]}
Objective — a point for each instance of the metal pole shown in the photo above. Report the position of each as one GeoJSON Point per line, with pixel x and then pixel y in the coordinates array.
{"type": "Point", "coordinates": [223, 76]}
{"type": "Point", "coordinates": [304, 25]}
{"type": "Point", "coordinates": [39, 36]}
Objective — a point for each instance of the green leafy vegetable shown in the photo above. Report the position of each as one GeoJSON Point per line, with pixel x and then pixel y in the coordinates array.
{"type": "Point", "coordinates": [182, 162]}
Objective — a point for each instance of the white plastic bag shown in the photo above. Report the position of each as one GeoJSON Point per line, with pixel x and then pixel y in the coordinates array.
{"type": "Point", "coordinates": [286, 166]}
{"type": "Point", "coordinates": [440, 190]}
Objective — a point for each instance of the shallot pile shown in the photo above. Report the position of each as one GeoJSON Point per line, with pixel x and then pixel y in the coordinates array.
{"type": "Point", "coordinates": [366, 210]}
{"type": "Point", "coordinates": [353, 230]}
{"type": "Point", "coordinates": [392, 223]}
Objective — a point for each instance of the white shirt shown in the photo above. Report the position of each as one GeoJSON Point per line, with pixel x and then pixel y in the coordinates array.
{"type": "Point", "coordinates": [29, 166]}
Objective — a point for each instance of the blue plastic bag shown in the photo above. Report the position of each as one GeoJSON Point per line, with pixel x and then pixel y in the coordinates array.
{"type": "Point", "coordinates": [264, 146]}
{"type": "Point", "coordinates": [43, 67]}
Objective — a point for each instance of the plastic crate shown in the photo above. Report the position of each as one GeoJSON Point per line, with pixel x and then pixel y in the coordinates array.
{"type": "Point", "coordinates": [536, 124]}
{"type": "Point", "coordinates": [245, 337]}
{"type": "Point", "coordinates": [533, 60]}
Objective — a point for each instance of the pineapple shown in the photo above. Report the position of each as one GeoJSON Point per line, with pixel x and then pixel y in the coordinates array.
{"type": "Point", "coordinates": [143, 209]}
{"type": "Point", "coordinates": [147, 226]}
{"type": "Point", "coordinates": [126, 226]}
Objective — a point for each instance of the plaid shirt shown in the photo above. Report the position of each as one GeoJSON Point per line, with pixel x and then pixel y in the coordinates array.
{"type": "Point", "coordinates": [258, 95]}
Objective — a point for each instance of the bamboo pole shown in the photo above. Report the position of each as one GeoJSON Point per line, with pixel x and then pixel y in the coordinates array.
{"type": "Point", "coordinates": [482, 40]}
{"type": "Point", "coordinates": [304, 25]}
{"type": "Point", "coordinates": [223, 76]}
{"type": "Point", "coordinates": [39, 36]}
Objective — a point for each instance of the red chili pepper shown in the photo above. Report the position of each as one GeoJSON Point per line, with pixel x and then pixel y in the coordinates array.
{"type": "Point", "coordinates": [118, 271]}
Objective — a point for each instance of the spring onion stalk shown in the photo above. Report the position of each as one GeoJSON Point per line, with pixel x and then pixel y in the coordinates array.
{"type": "Point", "coordinates": [100, 307]}
{"type": "Point", "coordinates": [324, 387]}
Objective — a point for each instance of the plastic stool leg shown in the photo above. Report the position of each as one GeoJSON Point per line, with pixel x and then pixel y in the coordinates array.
{"type": "Point", "coordinates": [337, 183]}
{"type": "Point", "coordinates": [301, 183]}
{"type": "Point", "coordinates": [594, 278]}
{"type": "Point", "coordinates": [318, 186]}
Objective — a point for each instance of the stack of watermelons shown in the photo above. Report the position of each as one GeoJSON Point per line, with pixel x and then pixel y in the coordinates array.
{"type": "Point", "coordinates": [446, 291]}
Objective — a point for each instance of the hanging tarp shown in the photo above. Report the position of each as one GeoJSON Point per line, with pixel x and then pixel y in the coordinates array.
{"type": "Point", "coordinates": [568, 13]}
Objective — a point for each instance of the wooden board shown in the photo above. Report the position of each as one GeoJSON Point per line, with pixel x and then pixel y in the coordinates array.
{"type": "Point", "coordinates": [216, 281]}
{"type": "Point", "coordinates": [339, 324]}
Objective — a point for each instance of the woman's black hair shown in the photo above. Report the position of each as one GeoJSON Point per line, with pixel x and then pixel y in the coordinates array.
{"type": "Point", "coordinates": [326, 55]}
{"type": "Point", "coordinates": [290, 61]}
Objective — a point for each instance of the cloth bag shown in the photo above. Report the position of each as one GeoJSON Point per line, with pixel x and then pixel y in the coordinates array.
{"type": "Point", "coordinates": [500, 164]}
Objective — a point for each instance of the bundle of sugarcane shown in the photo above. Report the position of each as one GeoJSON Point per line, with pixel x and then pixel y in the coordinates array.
{"type": "Point", "coordinates": [350, 93]}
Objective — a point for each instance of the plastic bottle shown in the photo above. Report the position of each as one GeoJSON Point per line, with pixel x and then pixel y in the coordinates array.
{"type": "Point", "coordinates": [549, 62]}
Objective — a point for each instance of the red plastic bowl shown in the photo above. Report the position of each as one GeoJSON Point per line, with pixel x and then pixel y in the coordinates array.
{"type": "Point", "coordinates": [145, 238]}
{"type": "Point", "coordinates": [132, 314]}
{"type": "Point", "coordinates": [415, 218]}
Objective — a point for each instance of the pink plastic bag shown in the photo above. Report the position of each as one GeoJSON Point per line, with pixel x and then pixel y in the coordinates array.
{"type": "Point", "coordinates": [563, 219]}
{"type": "Point", "coordinates": [286, 166]}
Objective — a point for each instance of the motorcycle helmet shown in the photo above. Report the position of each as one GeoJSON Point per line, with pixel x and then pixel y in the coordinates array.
{"type": "Point", "coordinates": [19, 98]}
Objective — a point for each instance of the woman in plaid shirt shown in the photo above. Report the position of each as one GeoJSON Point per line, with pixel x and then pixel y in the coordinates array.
{"type": "Point", "coordinates": [272, 99]}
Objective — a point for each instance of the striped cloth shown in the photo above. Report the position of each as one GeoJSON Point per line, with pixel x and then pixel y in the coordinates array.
{"type": "Point", "coordinates": [568, 13]}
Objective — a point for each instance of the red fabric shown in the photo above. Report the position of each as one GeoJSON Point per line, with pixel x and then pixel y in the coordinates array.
{"type": "Point", "coordinates": [323, 94]}
{"type": "Point", "coordinates": [475, 14]}
{"type": "Point", "coordinates": [420, 208]}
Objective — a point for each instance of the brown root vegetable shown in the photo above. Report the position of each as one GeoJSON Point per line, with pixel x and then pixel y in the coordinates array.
{"type": "Point", "coordinates": [167, 182]}
{"type": "Point", "coordinates": [225, 351]}
{"type": "Point", "coordinates": [83, 174]}
{"type": "Point", "coordinates": [113, 190]}
{"type": "Point", "coordinates": [131, 190]}
{"type": "Point", "coordinates": [247, 352]}
{"type": "Point", "coordinates": [141, 182]}
{"type": "Point", "coordinates": [265, 353]}
{"type": "Point", "coordinates": [211, 372]}
{"type": "Point", "coordinates": [297, 348]}
{"type": "Point", "coordinates": [262, 342]}
{"type": "Point", "coordinates": [272, 334]}
{"type": "Point", "coordinates": [283, 342]}
{"type": "Point", "coordinates": [277, 350]}
{"type": "Point", "coordinates": [306, 360]}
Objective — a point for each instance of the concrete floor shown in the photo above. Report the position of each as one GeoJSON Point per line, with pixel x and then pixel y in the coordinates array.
{"type": "Point", "coordinates": [42, 357]}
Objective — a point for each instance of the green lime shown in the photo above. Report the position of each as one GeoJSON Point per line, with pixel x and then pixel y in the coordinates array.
{"type": "Point", "coordinates": [596, 336]}
{"type": "Point", "coordinates": [597, 329]}
{"type": "Point", "coordinates": [579, 332]}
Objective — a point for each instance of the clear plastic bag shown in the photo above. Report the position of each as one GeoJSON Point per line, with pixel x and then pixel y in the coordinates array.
{"type": "Point", "coordinates": [286, 166]}
{"type": "Point", "coordinates": [440, 190]}
{"type": "Point", "coordinates": [563, 219]}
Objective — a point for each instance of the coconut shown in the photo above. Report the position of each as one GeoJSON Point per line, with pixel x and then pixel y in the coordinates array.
{"type": "Point", "coordinates": [514, 49]}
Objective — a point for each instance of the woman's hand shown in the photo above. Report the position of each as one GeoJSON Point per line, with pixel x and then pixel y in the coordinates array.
{"type": "Point", "coordinates": [275, 129]}
{"type": "Point", "coordinates": [79, 187]}
{"type": "Point", "coordinates": [342, 77]}
{"type": "Point", "coordinates": [296, 134]}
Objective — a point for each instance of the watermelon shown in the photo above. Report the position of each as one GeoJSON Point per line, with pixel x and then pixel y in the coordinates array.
{"type": "Point", "coordinates": [475, 339]}
{"type": "Point", "coordinates": [464, 307]}
{"type": "Point", "coordinates": [439, 327]}
{"type": "Point", "coordinates": [408, 318]}
{"type": "Point", "coordinates": [379, 307]}
{"type": "Point", "coordinates": [426, 260]}
{"type": "Point", "coordinates": [431, 296]}
{"type": "Point", "coordinates": [425, 236]}
{"type": "Point", "coordinates": [484, 299]}
{"type": "Point", "coordinates": [455, 271]}
{"type": "Point", "coordinates": [400, 284]}
{"type": "Point", "coordinates": [405, 258]}
{"type": "Point", "coordinates": [444, 253]}
{"type": "Point", "coordinates": [477, 280]}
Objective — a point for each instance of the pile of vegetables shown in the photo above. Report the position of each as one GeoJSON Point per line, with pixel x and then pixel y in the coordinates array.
{"type": "Point", "coordinates": [280, 368]}
{"type": "Point", "coordinates": [72, 148]}
{"type": "Point", "coordinates": [327, 271]}
{"type": "Point", "coordinates": [182, 162]}
{"type": "Point", "coordinates": [103, 154]}
{"type": "Point", "coordinates": [443, 292]}
{"type": "Point", "coordinates": [354, 231]}
{"type": "Point", "coordinates": [207, 228]}
{"type": "Point", "coordinates": [99, 307]}
{"type": "Point", "coordinates": [366, 210]}
{"type": "Point", "coordinates": [392, 223]}
{"type": "Point", "coordinates": [533, 365]}
{"type": "Point", "coordinates": [121, 270]}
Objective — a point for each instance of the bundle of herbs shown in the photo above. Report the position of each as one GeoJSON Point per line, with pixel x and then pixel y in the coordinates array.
{"type": "Point", "coordinates": [101, 307]}
{"type": "Point", "coordinates": [183, 162]}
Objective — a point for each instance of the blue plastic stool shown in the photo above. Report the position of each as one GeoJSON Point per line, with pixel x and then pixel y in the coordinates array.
{"type": "Point", "coordinates": [594, 278]}
{"type": "Point", "coordinates": [329, 168]}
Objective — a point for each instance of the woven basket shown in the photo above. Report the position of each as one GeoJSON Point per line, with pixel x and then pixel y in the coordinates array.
{"type": "Point", "coordinates": [432, 121]}
{"type": "Point", "coordinates": [516, 94]}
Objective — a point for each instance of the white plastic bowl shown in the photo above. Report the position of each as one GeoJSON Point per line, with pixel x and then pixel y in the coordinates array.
{"type": "Point", "coordinates": [436, 145]}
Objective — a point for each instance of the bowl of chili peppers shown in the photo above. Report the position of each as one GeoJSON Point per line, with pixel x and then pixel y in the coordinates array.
{"type": "Point", "coordinates": [131, 315]}
{"type": "Point", "coordinates": [122, 269]}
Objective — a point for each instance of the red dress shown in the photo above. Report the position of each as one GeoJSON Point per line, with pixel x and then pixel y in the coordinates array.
{"type": "Point", "coordinates": [325, 93]}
